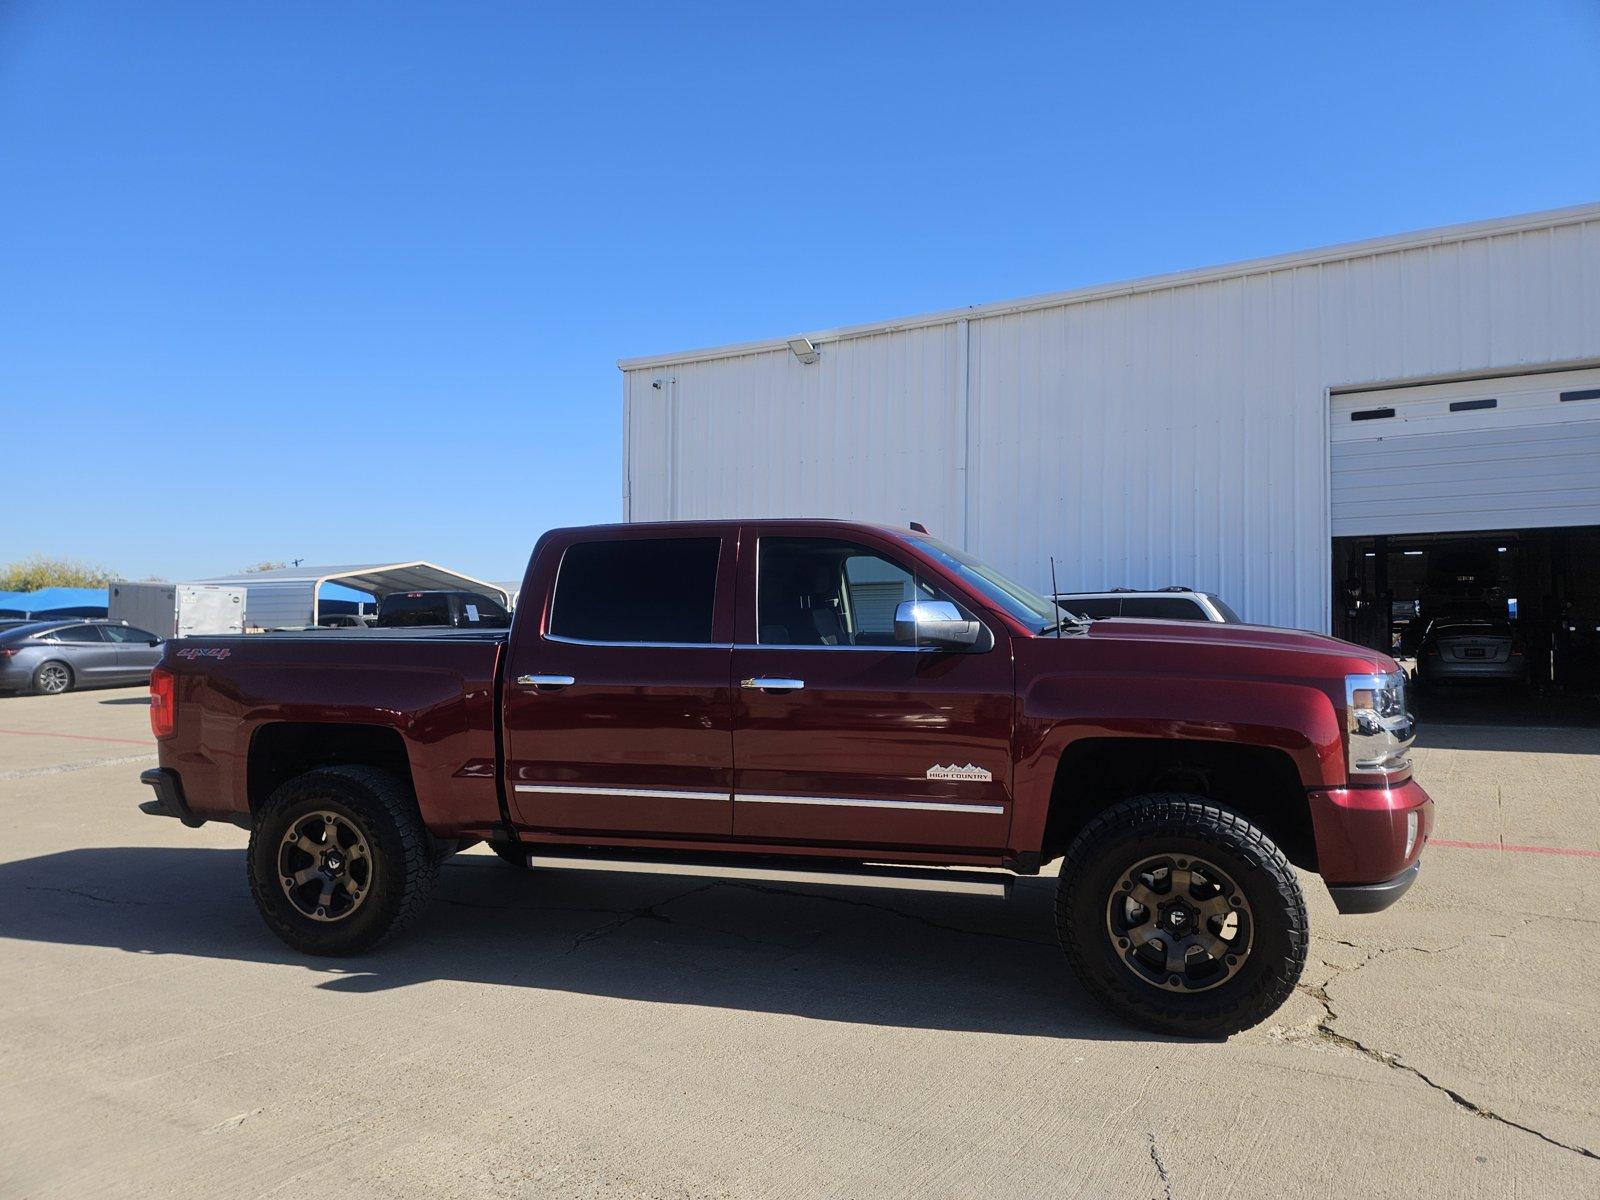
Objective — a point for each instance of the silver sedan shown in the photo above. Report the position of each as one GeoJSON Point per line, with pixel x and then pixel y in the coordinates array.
{"type": "Point", "coordinates": [1468, 649]}
{"type": "Point", "coordinates": [56, 656]}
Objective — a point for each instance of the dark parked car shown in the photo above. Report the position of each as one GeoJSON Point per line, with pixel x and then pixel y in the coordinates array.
{"type": "Point", "coordinates": [454, 610]}
{"type": "Point", "coordinates": [56, 656]}
{"type": "Point", "coordinates": [1455, 649]}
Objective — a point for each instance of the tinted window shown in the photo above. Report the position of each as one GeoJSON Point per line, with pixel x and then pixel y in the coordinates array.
{"type": "Point", "coordinates": [1098, 608]}
{"type": "Point", "coordinates": [1162, 608]}
{"type": "Point", "coordinates": [637, 590]}
{"type": "Point", "coordinates": [1476, 629]}
{"type": "Point", "coordinates": [405, 609]}
{"type": "Point", "coordinates": [825, 592]}
{"type": "Point", "coordinates": [77, 633]}
{"type": "Point", "coordinates": [479, 611]}
{"type": "Point", "coordinates": [127, 633]}
{"type": "Point", "coordinates": [1225, 610]}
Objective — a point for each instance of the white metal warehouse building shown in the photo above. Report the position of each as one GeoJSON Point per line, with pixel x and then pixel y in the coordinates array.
{"type": "Point", "coordinates": [1218, 428]}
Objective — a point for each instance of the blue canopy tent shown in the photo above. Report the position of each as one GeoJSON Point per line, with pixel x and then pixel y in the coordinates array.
{"type": "Point", "coordinates": [54, 602]}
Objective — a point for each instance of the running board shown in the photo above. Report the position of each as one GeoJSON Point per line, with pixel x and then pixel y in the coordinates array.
{"type": "Point", "coordinates": [872, 875]}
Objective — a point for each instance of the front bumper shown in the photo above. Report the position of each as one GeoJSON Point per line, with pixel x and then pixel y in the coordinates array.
{"type": "Point", "coordinates": [169, 801]}
{"type": "Point", "coordinates": [1369, 841]}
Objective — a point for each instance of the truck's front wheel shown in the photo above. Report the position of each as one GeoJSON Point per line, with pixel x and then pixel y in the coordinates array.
{"type": "Point", "coordinates": [1180, 914]}
{"type": "Point", "coordinates": [339, 860]}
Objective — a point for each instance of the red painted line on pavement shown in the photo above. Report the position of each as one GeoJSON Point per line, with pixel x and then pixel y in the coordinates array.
{"type": "Point", "coordinates": [1568, 851]}
{"type": "Point", "coordinates": [77, 737]}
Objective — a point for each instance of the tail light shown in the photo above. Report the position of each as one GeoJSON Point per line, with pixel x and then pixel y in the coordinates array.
{"type": "Point", "coordinates": [161, 708]}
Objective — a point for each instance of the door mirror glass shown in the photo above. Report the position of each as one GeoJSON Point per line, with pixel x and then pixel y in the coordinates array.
{"type": "Point", "coordinates": [933, 623]}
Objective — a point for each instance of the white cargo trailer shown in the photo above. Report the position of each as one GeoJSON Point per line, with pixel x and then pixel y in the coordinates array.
{"type": "Point", "coordinates": [177, 609]}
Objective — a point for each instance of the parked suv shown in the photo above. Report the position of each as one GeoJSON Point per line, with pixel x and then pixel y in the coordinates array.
{"type": "Point", "coordinates": [1164, 604]}
{"type": "Point", "coordinates": [49, 657]}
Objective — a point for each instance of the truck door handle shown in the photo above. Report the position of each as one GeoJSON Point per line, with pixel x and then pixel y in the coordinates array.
{"type": "Point", "coordinates": [769, 683]}
{"type": "Point", "coordinates": [546, 683]}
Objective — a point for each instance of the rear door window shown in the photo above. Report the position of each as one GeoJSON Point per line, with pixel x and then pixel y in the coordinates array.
{"type": "Point", "coordinates": [128, 634]}
{"type": "Point", "coordinates": [77, 633]}
{"type": "Point", "coordinates": [405, 609]}
{"type": "Point", "coordinates": [655, 590]}
{"type": "Point", "coordinates": [480, 612]}
{"type": "Point", "coordinates": [1162, 608]}
{"type": "Point", "coordinates": [1224, 610]}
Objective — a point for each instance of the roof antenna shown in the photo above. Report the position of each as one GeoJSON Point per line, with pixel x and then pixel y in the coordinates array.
{"type": "Point", "coordinates": [1054, 592]}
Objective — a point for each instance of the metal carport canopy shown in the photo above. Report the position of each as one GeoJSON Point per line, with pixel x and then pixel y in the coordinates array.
{"type": "Point", "coordinates": [378, 579]}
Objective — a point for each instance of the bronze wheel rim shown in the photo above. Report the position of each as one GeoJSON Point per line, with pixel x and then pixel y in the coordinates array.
{"type": "Point", "coordinates": [324, 866]}
{"type": "Point", "coordinates": [1179, 923]}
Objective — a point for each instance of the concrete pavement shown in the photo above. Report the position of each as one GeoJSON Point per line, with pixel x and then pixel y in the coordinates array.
{"type": "Point", "coordinates": [671, 1035]}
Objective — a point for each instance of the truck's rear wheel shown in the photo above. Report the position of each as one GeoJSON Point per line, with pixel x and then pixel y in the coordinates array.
{"type": "Point", "coordinates": [339, 860]}
{"type": "Point", "coordinates": [1181, 915]}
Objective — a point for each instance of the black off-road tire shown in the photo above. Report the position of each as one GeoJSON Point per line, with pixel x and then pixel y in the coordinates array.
{"type": "Point", "coordinates": [1179, 823]}
{"type": "Point", "coordinates": [513, 854]}
{"type": "Point", "coordinates": [53, 678]}
{"type": "Point", "coordinates": [404, 866]}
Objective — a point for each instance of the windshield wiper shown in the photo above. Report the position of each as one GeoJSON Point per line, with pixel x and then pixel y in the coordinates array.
{"type": "Point", "coordinates": [1076, 620]}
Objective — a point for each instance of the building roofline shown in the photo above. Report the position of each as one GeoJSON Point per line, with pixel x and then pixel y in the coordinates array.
{"type": "Point", "coordinates": [1548, 219]}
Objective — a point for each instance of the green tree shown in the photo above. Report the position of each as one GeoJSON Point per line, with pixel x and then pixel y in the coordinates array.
{"type": "Point", "coordinates": [40, 571]}
{"type": "Point", "coordinates": [265, 566]}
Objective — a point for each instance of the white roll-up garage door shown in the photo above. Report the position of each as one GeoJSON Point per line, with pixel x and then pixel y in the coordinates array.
{"type": "Point", "coordinates": [1519, 452]}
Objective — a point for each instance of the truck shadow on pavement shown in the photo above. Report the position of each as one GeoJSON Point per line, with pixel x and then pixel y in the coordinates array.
{"type": "Point", "coordinates": [874, 957]}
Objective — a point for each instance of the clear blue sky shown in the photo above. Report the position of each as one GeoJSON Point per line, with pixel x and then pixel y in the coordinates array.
{"type": "Point", "coordinates": [343, 281]}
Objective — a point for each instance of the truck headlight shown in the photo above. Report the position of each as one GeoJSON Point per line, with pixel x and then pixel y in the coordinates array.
{"type": "Point", "coordinates": [1379, 729]}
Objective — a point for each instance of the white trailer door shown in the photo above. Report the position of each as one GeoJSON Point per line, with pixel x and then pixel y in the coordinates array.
{"type": "Point", "coordinates": [1519, 452]}
{"type": "Point", "coordinates": [206, 610]}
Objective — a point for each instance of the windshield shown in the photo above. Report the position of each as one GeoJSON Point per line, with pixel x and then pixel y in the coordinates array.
{"type": "Point", "coordinates": [1022, 603]}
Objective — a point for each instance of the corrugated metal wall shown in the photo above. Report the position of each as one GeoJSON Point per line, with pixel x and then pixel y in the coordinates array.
{"type": "Point", "coordinates": [269, 604]}
{"type": "Point", "coordinates": [1507, 453]}
{"type": "Point", "coordinates": [1170, 432]}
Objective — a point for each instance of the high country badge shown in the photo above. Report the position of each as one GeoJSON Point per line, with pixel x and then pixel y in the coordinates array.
{"type": "Point", "coordinates": [977, 774]}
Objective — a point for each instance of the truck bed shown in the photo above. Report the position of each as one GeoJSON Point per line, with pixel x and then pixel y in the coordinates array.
{"type": "Point", "coordinates": [428, 697]}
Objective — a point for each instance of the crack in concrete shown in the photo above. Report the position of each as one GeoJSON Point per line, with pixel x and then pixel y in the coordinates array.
{"type": "Point", "coordinates": [627, 916]}
{"type": "Point", "coordinates": [1324, 1030]}
{"type": "Point", "coordinates": [87, 764]}
{"type": "Point", "coordinates": [39, 887]}
{"type": "Point", "coordinates": [1161, 1166]}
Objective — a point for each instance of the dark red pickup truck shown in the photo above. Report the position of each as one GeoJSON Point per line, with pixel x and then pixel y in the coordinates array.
{"type": "Point", "coordinates": [850, 701]}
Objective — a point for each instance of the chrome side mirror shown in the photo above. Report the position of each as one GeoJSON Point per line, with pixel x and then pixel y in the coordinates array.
{"type": "Point", "coordinates": [933, 623]}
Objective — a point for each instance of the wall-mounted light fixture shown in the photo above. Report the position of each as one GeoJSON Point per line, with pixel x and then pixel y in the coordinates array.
{"type": "Point", "coordinates": [803, 349]}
